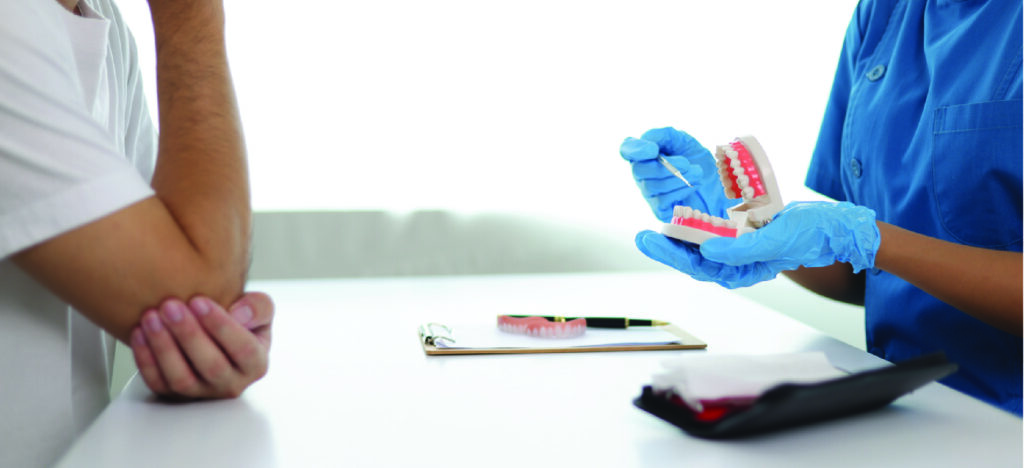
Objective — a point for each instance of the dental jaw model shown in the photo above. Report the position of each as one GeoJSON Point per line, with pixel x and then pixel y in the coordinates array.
{"type": "Point", "coordinates": [541, 327]}
{"type": "Point", "coordinates": [745, 173]}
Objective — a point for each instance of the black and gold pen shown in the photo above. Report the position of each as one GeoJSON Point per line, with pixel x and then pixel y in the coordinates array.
{"type": "Point", "coordinates": [603, 322]}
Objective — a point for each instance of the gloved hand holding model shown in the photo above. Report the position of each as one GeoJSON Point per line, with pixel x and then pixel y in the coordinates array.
{"type": "Point", "coordinates": [809, 234]}
{"type": "Point", "coordinates": [661, 188]}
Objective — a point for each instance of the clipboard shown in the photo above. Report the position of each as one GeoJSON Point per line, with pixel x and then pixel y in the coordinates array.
{"type": "Point", "coordinates": [440, 339]}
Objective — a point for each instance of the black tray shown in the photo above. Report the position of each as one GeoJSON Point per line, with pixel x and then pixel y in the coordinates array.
{"type": "Point", "coordinates": [791, 405]}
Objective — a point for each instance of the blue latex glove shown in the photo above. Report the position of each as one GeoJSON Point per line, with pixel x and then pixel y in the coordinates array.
{"type": "Point", "coordinates": [810, 234]}
{"type": "Point", "coordinates": [660, 188]}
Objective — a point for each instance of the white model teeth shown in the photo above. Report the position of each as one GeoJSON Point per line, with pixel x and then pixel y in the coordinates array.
{"type": "Point", "coordinates": [724, 168]}
{"type": "Point", "coordinates": [731, 164]}
{"type": "Point", "coordinates": [723, 175]}
{"type": "Point", "coordinates": [686, 212]}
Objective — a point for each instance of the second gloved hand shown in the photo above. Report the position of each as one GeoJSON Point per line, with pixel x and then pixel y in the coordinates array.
{"type": "Point", "coordinates": [810, 234]}
{"type": "Point", "coordinates": [662, 190]}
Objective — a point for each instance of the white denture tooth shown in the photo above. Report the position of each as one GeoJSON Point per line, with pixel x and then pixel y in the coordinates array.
{"type": "Point", "coordinates": [716, 221]}
{"type": "Point", "coordinates": [743, 180]}
{"type": "Point", "coordinates": [705, 217]}
{"type": "Point", "coordinates": [687, 212]}
{"type": "Point", "coordinates": [748, 192]}
{"type": "Point", "coordinates": [730, 224]}
{"type": "Point", "coordinates": [735, 163]}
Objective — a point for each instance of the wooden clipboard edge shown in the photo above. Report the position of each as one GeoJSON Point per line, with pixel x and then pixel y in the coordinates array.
{"type": "Point", "coordinates": [686, 341]}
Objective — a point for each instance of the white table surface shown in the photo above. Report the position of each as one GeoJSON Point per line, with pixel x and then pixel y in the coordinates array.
{"type": "Point", "coordinates": [349, 385]}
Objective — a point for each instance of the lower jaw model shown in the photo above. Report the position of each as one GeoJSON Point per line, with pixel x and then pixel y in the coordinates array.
{"type": "Point", "coordinates": [745, 173]}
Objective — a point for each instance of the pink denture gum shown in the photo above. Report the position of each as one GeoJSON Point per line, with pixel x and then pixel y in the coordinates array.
{"type": "Point", "coordinates": [541, 327]}
{"type": "Point", "coordinates": [745, 173]}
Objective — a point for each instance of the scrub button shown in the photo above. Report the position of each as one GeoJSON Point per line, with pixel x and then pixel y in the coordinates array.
{"type": "Point", "coordinates": [855, 168]}
{"type": "Point", "coordinates": [875, 73]}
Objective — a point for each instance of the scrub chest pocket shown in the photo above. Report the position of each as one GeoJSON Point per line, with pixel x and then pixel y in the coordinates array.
{"type": "Point", "coordinates": [976, 172]}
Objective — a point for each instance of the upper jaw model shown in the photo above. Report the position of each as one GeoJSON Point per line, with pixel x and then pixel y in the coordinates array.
{"type": "Point", "coordinates": [745, 173]}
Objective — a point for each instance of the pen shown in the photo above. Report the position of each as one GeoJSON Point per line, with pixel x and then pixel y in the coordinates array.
{"type": "Point", "coordinates": [604, 322]}
{"type": "Point", "coordinates": [672, 169]}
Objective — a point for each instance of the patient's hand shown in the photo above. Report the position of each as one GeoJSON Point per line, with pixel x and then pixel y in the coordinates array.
{"type": "Point", "coordinates": [197, 350]}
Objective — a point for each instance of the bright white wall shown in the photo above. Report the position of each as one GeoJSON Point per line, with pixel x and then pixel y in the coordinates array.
{"type": "Point", "coordinates": [513, 105]}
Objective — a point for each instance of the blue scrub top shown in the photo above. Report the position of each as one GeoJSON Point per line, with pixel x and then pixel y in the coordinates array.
{"type": "Point", "coordinates": [924, 126]}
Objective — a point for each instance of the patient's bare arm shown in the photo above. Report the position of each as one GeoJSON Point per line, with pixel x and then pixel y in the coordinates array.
{"type": "Point", "coordinates": [192, 237]}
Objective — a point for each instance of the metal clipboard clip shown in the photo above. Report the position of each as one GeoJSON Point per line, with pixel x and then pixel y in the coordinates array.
{"type": "Point", "coordinates": [431, 333]}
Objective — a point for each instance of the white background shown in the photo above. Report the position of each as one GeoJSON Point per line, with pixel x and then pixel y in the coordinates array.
{"type": "Point", "coordinates": [473, 106]}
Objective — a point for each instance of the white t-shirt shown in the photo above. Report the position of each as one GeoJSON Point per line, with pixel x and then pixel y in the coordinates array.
{"type": "Point", "coordinates": [76, 143]}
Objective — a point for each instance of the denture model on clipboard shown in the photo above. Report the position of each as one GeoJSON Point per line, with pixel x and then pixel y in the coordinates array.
{"type": "Point", "coordinates": [745, 173]}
